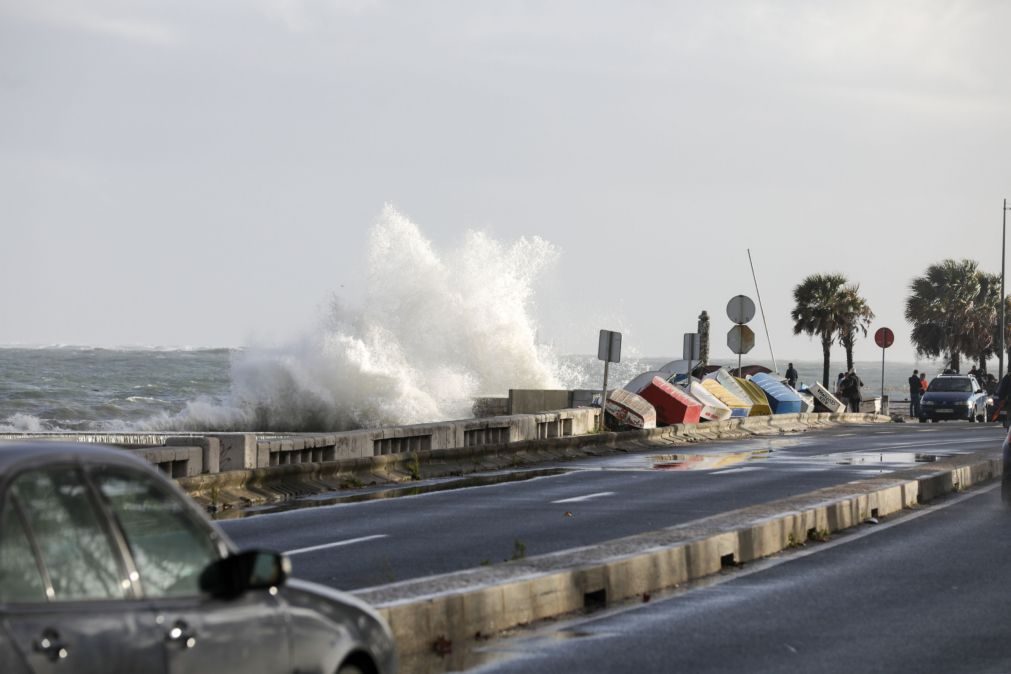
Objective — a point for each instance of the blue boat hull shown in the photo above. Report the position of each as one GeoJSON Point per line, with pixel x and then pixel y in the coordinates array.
{"type": "Point", "coordinates": [782, 399]}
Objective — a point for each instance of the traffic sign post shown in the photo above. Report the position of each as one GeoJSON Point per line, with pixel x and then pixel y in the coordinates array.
{"type": "Point", "coordinates": [690, 351]}
{"type": "Point", "coordinates": [609, 351]}
{"type": "Point", "coordinates": [741, 338]}
{"type": "Point", "coordinates": [740, 309]}
{"type": "Point", "coordinates": [884, 338]}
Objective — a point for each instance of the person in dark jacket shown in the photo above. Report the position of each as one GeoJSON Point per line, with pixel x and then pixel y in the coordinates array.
{"type": "Point", "coordinates": [1000, 398]}
{"type": "Point", "coordinates": [791, 376]}
{"type": "Point", "coordinates": [914, 394]}
{"type": "Point", "coordinates": [851, 385]}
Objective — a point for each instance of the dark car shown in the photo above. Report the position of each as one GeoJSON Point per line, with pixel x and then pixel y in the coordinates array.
{"type": "Point", "coordinates": [106, 566]}
{"type": "Point", "coordinates": [953, 396]}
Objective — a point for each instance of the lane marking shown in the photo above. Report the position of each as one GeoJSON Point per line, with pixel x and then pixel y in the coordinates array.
{"type": "Point", "coordinates": [746, 469]}
{"type": "Point", "coordinates": [577, 499]}
{"type": "Point", "coordinates": [337, 544]}
{"type": "Point", "coordinates": [785, 556]}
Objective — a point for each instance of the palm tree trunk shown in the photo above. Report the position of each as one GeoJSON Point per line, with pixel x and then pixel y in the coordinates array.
{"type": "Point", "coordinates": [826, 347]}
{"type": "Point", "coordinates": [848, 342]}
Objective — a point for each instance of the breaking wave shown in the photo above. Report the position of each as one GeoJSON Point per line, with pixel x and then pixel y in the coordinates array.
{"type": "Point", "coordinates": [434, 330]}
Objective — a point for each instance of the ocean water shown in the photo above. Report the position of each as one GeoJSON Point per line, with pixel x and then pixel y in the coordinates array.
{"type": "Point", "coordinates": [89, 389]}
{"type": "Point", "coordinates": [433, 330]}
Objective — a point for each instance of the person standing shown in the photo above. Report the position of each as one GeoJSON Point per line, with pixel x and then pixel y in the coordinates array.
{"type": "Point", "coordinates": [1001, 398]}
{"type": "Point", "coordinates": [851, 384]}
{"type": "Point", "coordinates": [791, 376]}
{"type": "Point", "coordinates": [914, 394]}
{"type": "Point", "coordinates": [923, 383]}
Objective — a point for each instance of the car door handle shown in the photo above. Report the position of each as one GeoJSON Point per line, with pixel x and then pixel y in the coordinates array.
{"type": "Point", "coordinates": [50, 645]}
{"type": "Point", "coordinates": [181, 634]}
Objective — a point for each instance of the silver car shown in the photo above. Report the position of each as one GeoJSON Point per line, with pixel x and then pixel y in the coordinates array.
{"type": "Point", "coordinates": [106, 566]}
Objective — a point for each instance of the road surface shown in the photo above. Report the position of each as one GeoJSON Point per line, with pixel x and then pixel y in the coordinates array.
{"type": "Point", "coordinates": [358, 545]}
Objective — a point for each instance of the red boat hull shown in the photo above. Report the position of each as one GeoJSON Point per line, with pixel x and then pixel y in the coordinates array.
{"type": "Point", "coordinates": [673, 406]}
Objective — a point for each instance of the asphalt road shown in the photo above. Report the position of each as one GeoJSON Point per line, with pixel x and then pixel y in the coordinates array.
{"type": "Point", "coordinates": [923, 592]}
{"type": "Point", "coordinates": [357, 545]}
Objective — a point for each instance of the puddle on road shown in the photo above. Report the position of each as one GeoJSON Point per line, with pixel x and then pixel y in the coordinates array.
{"type": "Point", "coordinates": [428, 487]}
{"type": "Point", "coordinates": [860, 458]}
{"type": "Point", "coordinates": [709, 461]}
{"type": "Point", "coordinates": [721, 460]}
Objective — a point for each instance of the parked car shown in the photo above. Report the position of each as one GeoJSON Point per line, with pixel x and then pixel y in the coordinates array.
{"type": "Point", "coordinates": [953, 396]}
{"type": "Point", "coordinates": [106, 566]}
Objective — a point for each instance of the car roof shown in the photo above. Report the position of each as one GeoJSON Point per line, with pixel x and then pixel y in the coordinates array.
{"type": "Point", "coordinates": [13, 452]}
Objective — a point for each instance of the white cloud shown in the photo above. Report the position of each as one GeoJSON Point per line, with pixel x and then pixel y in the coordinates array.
{"type": "Point", "coordinates": [114, 19]}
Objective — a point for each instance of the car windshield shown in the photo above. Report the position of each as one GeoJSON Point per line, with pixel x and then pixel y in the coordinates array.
{"type": "Point", "coordinates": [950, 385]}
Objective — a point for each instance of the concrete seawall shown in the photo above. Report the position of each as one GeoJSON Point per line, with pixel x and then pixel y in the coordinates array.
{"type": "Point", "coordinates": [225, 469]}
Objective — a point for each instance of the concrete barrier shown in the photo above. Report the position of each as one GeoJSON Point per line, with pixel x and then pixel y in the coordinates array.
{"type": "Point", "coordinates": [461, 607]}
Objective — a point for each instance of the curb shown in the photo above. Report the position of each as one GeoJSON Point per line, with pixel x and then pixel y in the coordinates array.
{"type": "Point", "coordinates": [430, 614]}
{"type": "Point", "coordinates": [277, 483]}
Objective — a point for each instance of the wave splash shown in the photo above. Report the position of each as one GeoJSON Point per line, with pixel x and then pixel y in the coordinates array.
{"type": "Point", "coordinates": [434, 331]}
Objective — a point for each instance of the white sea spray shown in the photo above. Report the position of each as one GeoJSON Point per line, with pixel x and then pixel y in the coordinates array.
{"type": "Point", "coordinates": [434, 330]}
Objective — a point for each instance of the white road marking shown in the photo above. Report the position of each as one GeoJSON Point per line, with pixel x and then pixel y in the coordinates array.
{"type": "Point", "coordinates": [337, 544]}
{"type": "Point", "coordinates": [577, 499]}
{"type": "Point", "coordinates": [746, 469]}
{"type": "Point", "coordinates": [759, 565]}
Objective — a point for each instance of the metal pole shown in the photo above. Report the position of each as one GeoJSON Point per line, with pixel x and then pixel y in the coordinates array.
{"type": "Point", "coordinates": [882, 374]}
{"type": "Point", "coordinates": [766, 325]}
{"type": "Point", "coordinates": [1003, 318]}
{"type": "Point", "coordinates": [691, 352]}
{"type": "Point", "coordinates": [603, 398]}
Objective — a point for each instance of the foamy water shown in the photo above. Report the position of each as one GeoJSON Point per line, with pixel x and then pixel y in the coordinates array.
{"type": "Point", "coordinates": [434, 329]}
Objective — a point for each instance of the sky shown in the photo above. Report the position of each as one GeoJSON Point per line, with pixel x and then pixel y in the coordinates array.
{"type": "Point", "coordinates": [194, 173]}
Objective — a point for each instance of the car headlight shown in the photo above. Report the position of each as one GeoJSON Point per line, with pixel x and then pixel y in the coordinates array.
{"type": "Point", "coordinates": [928, 403]}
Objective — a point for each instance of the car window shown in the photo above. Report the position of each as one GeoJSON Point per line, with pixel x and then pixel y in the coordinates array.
{"type": "Point", "coordinates": [950, 385]}
{"type": "Point", "coordinates": [169, 547]}
{"type": "Point", "coordinates": [77, 553]}
{"type": "Point", "coordinates": [20, 579]}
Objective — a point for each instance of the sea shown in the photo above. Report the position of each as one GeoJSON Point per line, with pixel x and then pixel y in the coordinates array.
{"type": "Point", "coordinates": [431, 330]}
{"type": "Point", "coordinates": [73, 388]}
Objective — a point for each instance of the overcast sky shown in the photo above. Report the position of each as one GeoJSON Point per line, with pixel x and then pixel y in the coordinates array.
{"type": "Point", "coordinates": [204, 173]}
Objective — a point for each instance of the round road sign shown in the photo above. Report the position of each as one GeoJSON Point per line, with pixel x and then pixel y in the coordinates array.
{"type": "Point", "coordinates": [741, 339]}
{"type": "Point", "coordinates": [740, 309]}
{"type": "Point", "coordinates": [884, 337]}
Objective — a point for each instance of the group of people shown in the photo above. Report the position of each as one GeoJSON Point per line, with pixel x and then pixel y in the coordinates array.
{"type": "Point", "coordinates": [847, 389]}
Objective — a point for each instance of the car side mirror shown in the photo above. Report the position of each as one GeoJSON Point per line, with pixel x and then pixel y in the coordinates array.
{"type": "Point", "coordinates": [235, 575]}
{"type": "Point", "coordinates": [979, 390]}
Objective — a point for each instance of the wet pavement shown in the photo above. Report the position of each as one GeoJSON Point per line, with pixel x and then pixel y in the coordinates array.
{"type": "Point", "coordinates": [366, 538]}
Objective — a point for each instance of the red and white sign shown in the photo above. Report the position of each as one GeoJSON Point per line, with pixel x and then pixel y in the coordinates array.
{"type": "Point", "coordinates": [884, 337]}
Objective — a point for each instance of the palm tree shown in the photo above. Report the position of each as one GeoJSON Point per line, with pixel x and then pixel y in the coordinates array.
{"type": "Point", "coordinates": [942, 307]}
{"type": "Point", "coordinates": [857, 317]}
{"type": "Point", "coordinates": [819, 309]}
{"type": "Point", "coordinates": [981, 336]}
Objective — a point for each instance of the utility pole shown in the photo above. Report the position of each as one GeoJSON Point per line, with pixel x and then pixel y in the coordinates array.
{"type": "Point", "coordinates": [1003, 310]}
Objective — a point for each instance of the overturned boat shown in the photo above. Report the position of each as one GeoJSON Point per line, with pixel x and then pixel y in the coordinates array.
{"type": "Point", "coordinates": [759, 401]}
{"type": "Point", "coordinates": [628, 409]}
{"type": "Point", "coordinates": [712, 408]}
{"type": "Point", "coordinates": [738, 408]}
{"type": "Point", "coordinates": [782, 398]}
{"type": "Point", "coordinates": [673, 405]}
{"type": "Point", "coordinates": [825, 398]}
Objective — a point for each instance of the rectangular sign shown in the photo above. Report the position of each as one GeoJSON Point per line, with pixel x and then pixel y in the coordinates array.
{"type": "Point", "coordinates": [692, 346]}
{"type": "Point", "coordinates": [609, 346]}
